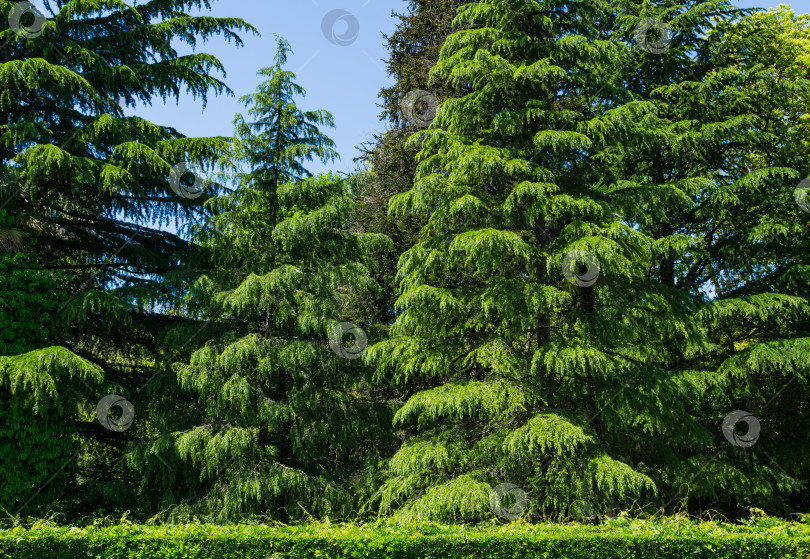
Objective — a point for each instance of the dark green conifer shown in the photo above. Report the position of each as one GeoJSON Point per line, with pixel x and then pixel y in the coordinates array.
{"type": "Point", "coordinates": [280, 419]}
{"type": "Point", "coordinates": [89, 192]}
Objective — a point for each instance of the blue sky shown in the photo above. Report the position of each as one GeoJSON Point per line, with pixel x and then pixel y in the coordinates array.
{"type": "Point", "coordinates": [343, 79]}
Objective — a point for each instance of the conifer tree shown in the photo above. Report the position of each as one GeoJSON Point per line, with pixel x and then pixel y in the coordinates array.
{"type": "Point", "coordinates": [88, 188]}
{"type": "Point", "coordinates": [86, 175]}
{"type": "Point", "coordinates": [718, 165]}
{"type": "Point", "coordinates": [513, 362]}
{"type": "Point", "coordinates": [413, 51]}
{"type": "Point", "coordinates": [578, 155]}
{"type": "Point", "coordinates": [391, 164]}
{"type": "Point", "coordinates": [278, 419]}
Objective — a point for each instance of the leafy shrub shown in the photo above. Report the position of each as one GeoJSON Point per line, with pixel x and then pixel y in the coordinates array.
{"type": "Point", "coordinates": [616, 539]}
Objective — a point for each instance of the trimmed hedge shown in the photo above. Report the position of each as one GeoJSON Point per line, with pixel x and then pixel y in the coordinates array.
{"type": "Point", "coordinates": [615, 540]}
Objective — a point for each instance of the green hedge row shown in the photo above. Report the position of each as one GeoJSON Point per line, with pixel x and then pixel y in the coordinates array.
{"type": "Point", "coordinates": [615, 540]}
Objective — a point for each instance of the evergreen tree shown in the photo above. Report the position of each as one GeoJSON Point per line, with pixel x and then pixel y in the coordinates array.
{"type": "Point", "coordinates": [413, 52]}
{"type": "Point", "coordinates": [513, 362]}
{"type": "Point", "coordinates": [279, 422]}
{"type": "Point", "coordinates": [579, 154]}
{"type": "Point", "coordinates": [717, 166]}
{"type": "Point", "coordinates": [89, 189]}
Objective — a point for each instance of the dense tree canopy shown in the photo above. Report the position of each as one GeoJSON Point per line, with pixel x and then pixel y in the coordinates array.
{"type": "Point", "coordinates": [88, 190]}
{"type": "Point", "coordinates": [571, 280]}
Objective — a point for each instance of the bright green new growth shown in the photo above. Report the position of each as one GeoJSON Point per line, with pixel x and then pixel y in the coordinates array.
{"type": "Point", "coordinates": [758, 538]}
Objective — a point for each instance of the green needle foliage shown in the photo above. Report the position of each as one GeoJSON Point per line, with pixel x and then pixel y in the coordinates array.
{"type": "Point", "coordinates": [720, 178]}
{"type": "Point", "coordinates": [414, 49]}
{"type": "Point", "coordinates": [281, 421]}
{"type": "Point", "coordinates": [88, 188]}
{"type": "Point", "coordinates": [570, 279]}
{"type": "Point", "coordinates": [514, 362]}
{"type": "Point", "coordinates": [88, 174]}
{"type": "Point", "coordinates": [573, 153]}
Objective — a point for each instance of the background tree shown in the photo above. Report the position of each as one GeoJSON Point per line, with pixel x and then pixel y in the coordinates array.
{"type": "Point", "coordinates": [413, 51]}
